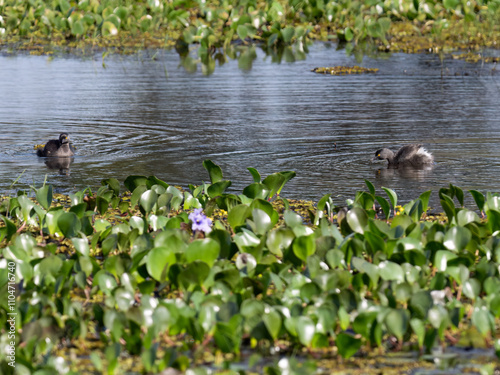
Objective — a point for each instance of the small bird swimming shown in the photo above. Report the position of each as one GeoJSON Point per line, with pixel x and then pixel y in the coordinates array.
{"type": "Point", "coordinates": [57, 147]}
{"type": "Point", "coordinates": [408, 155]}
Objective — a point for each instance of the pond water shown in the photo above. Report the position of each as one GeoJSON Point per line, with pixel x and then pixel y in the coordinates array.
{"type": "Point", "coordinates": [156, 115]}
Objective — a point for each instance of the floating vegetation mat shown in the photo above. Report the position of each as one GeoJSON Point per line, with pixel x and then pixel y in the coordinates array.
{"type": "Point", "coordinates": [143, 277]}
{"type": "Point", "coordinates": [344, 70]}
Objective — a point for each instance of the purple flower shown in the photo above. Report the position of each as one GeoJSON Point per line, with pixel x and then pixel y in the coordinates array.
{"type": "Point", "coordinates": [200, 221]}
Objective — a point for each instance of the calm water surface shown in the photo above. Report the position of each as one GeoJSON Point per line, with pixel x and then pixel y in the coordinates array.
{"type": "Point", "coordinates": [153, 117]}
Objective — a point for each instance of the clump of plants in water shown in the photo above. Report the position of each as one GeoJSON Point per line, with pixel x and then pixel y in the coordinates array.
{"type": "Point", "coordinates": [158, 278]}
{"type": "Point", "coordinates": [128, 25]}
{"type": "Point", "coordinates": [344, 70]}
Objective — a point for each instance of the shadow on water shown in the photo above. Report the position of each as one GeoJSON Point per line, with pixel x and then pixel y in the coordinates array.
{"type": "Point", "coordinates": [156, 114]}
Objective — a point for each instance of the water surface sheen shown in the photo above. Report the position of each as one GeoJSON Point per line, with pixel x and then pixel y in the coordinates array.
{"type": "Point", "coordinates": [134, 118]}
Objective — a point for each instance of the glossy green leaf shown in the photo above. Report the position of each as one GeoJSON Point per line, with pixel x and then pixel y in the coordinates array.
{"type": "Point", "coordinates": [272, 321]}
{"type": "Point", "coordinates": [255, 174]}
{"type": "Point", "coordinates": [109, 29]}
{"type": "Point", "coordinates": [471, 288]}
{"type": "Point", "coordinates": [392, 196]}
{"type": "Point", "coordinates": [213, 170]}
{"type": "Point", "coordinates": [347, 345]}
{"type": "Point", "coordinates": [69, 224]}
{"type": "Point", "coordinates": [256, 190]}
{"type": "Point", "coordinates": [274, 183]}
{"type": "Point", "coordinates": [357, 219]}
{"type": "Point", "coordinates": [397, 322]}
{"type": "Point", "coordinates": [159, 260]}
{"type": "Point", "coordinates": [441, 259]}
{"type": "Point", "coordinates": [390, 271]}
{"type": "Point", "coordinates": [81, 245]}
{"type": "Point", "coordinates": [384, 204]}
{"type": "Point", "coordinates": [44, 196]}
{"type": "Point", "coordinates": [278, 240]}
{"type": "Point", "coordinates": [261, 221]}
{"type": "Point", "coordinates": [205, 250]}
{"type": "Point", "coordinates": [218, 188]}
{"type": "Point", "coordinates": [457, 238]}
{"type": "Point", "coordinates": [287, 34]}
{"type": "Point", "coordinates": [478, 198]}
{"type": "Point", "coordinates": [305, 329]}
{"type": "Point", "coordinates": [238, 215]}
{"type": "Point", "coordinates": [148, 200]}
{"type": "Point", "coordinates": [304, 246]}
{"type": "Point", "coordinates": [132, 182]}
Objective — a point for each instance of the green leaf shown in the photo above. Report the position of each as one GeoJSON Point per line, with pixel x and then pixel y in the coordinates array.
{"type": "Point", "coordinates": [113, 184]}
{"type": "Point", "coordinates": [385, 24]}
{"type": "Point", "coordinates": [448, 206]}
{"type": "Point", "coordinates": [194, 274]}
{"type": "Point", "coordinates": [69, 224]}
{"type": "Point", "coordinates": [418, 328]}
{"type": "Point", "coordinates": [132, 182]}
{"type": "Point", "coordinates": [255, 174]}
{"type": "Point", "coordinates": [226, 339]}
{"type": "Point", "coordinates": [366, 267]}
{"type": "Point", "coordinates": [305, 329]}
{"type": "Point", "coordinates": [347, 345]}
{"type": "Point", "coordinates": [44, 196]}
{"type": "Point", "coordinates": [482, 319]}
{"type": "Point", "coordinates": [109, 29]}
{"type": "Point", "coordinates": [102, 204]}
{"type": "Point", "coordinates": [424, 197]}
{"type": "Point", "coordinates": [465, 217]}
{"type": "Point", "coordinates": [287, 34]}
{"type": "Point", "coordinates": [238, 215]}
{"type": "Point", "coordinates": [288, 175]}
{"type": "Point", "coordinates": [478, 198]}
{"type": "Point", "coordinates": [279, 240]}
{"type": "Point", "coordinates": [148, 200]}
{"type": "Point", "coordinates": [81, 245]}
{"type": "Point", "coordinates": [159, 261]}
{"type": "Point", "coordinates": [441, 259]}
{"type": "Point", "coordinates": [348, 34]}
{"type": "Point", "coordinates": [384, 204]}
{"type": "Point", "coordinates": [391, 271]}
{"type": "Point", "coordinates": [218, 188]}
{"type": "Point", "coordinates": [205, 250]}
{"type": "Point", "coordinates": [256, 190]}
{"type": "Point", "coordinates": [392, 196]}
{"type": "Point", "coordinates": [8, 230]}
{"type": "Point", "coordinates": [261, 222]}
{"type": "Point", "coordinates": [274, 183]}
{"type": "Point", "coordinates": [457, 238]}
{"type": "Point", "coordinates": [272, 321]}
{"type": "Point", "coordinates": [357, 219]}
{"type": "Point", "coordinates": [472, 288]}
{"type": "Point", "coordinates": [304, 246]}
{"type": "Point", "coordinates": [213, 170]}
{"type": "Point", "coordinates": [77, 28]}
{"type": "Point", "coordinates": [242, 32]}
{"type": "Point", "coordinates": [370, 186]}
{"type": "Point", "coordinates": [397, 322]}
{"type": "Point", "coordinates": [363, 323]}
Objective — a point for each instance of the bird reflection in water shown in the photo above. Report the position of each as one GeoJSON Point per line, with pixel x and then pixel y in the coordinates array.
{"type": "Point", "coordinates": [59, 163]}
{"type": "Point", "coordinates": [416, 173]}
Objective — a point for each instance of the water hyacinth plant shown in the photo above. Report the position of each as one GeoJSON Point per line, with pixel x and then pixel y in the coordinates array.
{"type": "Point", "coordinates": [409, 26]}
{"type": "Point", "coordinates": [115, 276]}
{"type": "Point", "coordinates": [200, 221]}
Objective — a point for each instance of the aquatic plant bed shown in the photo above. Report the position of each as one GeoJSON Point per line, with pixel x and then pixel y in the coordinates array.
{"type": "Point", "coordinates": [344, 70]}
{"type": "Point", "coordinates": [128, 26]}
{"type": "Point", "coordinates": [144, 277]}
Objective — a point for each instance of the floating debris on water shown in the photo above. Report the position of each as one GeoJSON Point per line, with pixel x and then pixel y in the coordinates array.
{"type": "Point", "coordinates": [343, 70]}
